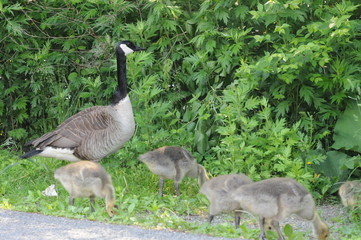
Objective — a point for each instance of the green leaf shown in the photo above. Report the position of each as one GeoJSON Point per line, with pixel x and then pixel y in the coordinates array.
{"type": "Point", "coordinates": [20, 103]}
{"type": "Point", "coordinates": [1, 107]}
{"type": "Point", "coordinates": [353, 162]}
{"type": "Point", "coordinates": [11, 89]}
{"type": "Point", "coordinates": [14, 28]}
{"type": "Point", "coordinates": [223, 15]}
{"type": "Point", "coordinates": [347, 132]}
{"type": "Point", "coordinates": [283, 108]}
{"type": "Point", "coordinates": [72, 76]}
{"type": "Point", "coordinates": [131, 207]}
{"type": "Point", "coordinates": [241, 11]}
{"type": "Point", "coordinates": [210, 45]}
{"type": "Point", "coordinates": [288, 230]}
{"type": "Point", "coordinates": [307, 94]}
{"type": "Point", "coordinates": [11, 8]}
{"type": "Point", "coordinates": [201, 141]}
{"type": "Point", "coordinates": [18, 133]}
{"type": "Point", "coordinates": [170, 25]}
{"type": "Point", "coordinates": [332, 166]}
{"type": "Point", "coordinates": [227, 130]}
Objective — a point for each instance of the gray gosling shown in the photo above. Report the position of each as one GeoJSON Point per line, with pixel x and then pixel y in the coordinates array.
{"type": "Point", "coordinates": [173, 163]}
{"type": "Point", "coordinates": [87, 179]}
{"type": "Point", "coordinates": [276, 199]}
{"type": "Point", "coordinates": [350, 193]}
{"type": "Point", "coordinates": [218, 189]}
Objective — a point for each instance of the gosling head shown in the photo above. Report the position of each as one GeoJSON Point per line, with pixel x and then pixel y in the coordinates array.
{"type": "Point", "coordinates": [202, 175]}
{"type": "Point", "coordinates": [109, 193]}
{"type": "Point", "coordinates": [111, 211]}
{"type": "Point", "coordinates": [323, 232]}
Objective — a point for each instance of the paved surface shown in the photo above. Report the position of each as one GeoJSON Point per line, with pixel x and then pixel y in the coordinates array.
{"type": "Point", "coordinates": [32, 226]}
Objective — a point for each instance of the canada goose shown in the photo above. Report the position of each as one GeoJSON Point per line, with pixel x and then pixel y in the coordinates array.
{"type": "Point", "coordinates": [95, 132]}
{"type": "Point", "coordinates": [173, 163]}
{"type": "Point", "coordinates": [87, 179]}
{"type": "Point", "coordinates": [276, 199]}
{"type": "Point", "coordinates": [218, 189]}
{"type": "Point", "coordinates": [350, 193]}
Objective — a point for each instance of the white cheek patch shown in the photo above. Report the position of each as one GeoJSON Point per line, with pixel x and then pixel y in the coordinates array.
{"type": "Point", "coordinates": [126, 49]}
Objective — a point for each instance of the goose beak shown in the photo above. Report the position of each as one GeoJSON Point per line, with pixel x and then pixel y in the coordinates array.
{"type": "Point", "coordinates": [139, 49]}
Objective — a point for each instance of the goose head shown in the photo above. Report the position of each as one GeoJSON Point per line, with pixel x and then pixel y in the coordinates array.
{"type": "Point", "coordinates": [127, 47]}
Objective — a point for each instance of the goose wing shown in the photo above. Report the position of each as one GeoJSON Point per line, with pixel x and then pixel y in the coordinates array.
{"type": "Point", "coordinates": [71, 132]}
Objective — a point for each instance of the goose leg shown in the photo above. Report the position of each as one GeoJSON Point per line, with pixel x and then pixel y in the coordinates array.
{"type": "Point", "coordinates": [276, 226]}
{"type": "Point", "coordinates": [176, 186]}
{"type": "Point", "coordinates": [92, 201]}
{"type": "Point", "coordinates": [262, 235]}
{"type": "Point", "coordinates": [71, 201]}
{"type": "Point", "coordinates": [210, 218]}
{"type": "Point", "coordinates": [161, 184]}
{"type": "Point", "coordinates": [237, 218]}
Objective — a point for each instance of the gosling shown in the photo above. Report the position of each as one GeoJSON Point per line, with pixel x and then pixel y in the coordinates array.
{"type": "Point", "coordinates": [87, 179]}
{"type": "Point", "coordinates": [218, 189]}
{"type": "Point", "coordinates": [350, 193]}
{"type": "Point", "coordinates": [276, 199]}
{"type": "Point", "coordinates": [173, 163]}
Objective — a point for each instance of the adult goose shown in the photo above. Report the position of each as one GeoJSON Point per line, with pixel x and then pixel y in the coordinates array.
{"type": "Point", "coordinates": [94, 132]}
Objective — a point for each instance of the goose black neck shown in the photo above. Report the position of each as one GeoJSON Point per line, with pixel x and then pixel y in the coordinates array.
{"type": "Point", "coordinates": [121, 91]}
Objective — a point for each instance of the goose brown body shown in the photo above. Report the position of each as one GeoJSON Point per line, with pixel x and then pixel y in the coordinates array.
{"type": "Point", "coordinates": [90, 134]}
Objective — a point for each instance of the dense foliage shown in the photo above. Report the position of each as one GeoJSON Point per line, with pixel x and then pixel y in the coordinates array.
{"type": "Point", "coordinates": [261, 87]}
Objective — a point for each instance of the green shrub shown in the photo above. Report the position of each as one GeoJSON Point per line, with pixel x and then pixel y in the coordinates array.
{"type": "Point", "coordinates": [252, 86]}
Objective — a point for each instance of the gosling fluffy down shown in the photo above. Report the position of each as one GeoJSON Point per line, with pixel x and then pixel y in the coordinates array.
{"type": "Point", "coordinates": [218, 189]}
{"type": "Point", "coordinates": [350, 193]}
{"type": "Point", "coordinates": [276, 199]}
{"type": "Point", "coordinates": [173, 163]}
{"type": "Point", "coordinates": [87, 179]}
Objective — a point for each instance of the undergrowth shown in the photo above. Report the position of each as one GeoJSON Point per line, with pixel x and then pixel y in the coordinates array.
{"type": "Point", "coordinates": [22, 183]}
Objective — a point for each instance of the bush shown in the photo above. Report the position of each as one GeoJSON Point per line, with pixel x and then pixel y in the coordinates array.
{"type": "Point", "coordinates": [251, 86]}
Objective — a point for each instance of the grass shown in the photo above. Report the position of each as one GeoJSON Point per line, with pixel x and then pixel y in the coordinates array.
{"type": "Point", "coordinates": [22, 183]}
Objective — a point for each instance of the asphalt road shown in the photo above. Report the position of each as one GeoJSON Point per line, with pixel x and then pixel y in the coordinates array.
{"type": "Point", "coordinates": [32, 226]}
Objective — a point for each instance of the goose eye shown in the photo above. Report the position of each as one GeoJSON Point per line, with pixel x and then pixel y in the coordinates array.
{"type": "Point", "coordinates": [131, 45]}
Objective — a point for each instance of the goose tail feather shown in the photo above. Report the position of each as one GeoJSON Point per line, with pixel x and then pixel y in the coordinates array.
{"type": "Point", "coordinates": [31, 153]}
